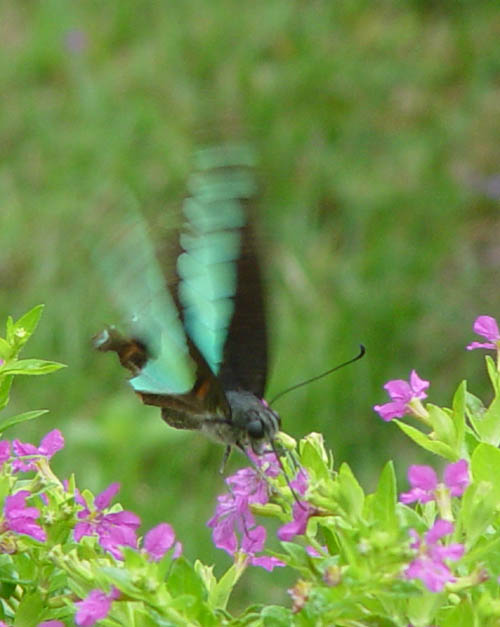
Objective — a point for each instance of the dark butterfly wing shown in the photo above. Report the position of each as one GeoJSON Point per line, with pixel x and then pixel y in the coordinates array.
{"type": "Point", "coordinates": [244, 365]}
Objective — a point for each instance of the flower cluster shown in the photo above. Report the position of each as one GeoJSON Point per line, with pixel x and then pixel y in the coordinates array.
{"type": "Point", "coordinates": [233, 513]}
{"type": "Point", "coordinates": [429, 566]}
{"type": "Point", "coordinates": [114, 530]}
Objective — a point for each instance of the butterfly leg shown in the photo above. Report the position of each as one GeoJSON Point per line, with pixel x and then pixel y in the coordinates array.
{"type": "Point", "coordinates": [227, 453]}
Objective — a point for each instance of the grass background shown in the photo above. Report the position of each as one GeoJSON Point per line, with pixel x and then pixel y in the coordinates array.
{"type": "Point", "coordinates": [376, 126]}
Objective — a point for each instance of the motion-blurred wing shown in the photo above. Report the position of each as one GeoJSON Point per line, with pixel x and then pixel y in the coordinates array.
{"type": "Point", "coordinates": [128, 264]}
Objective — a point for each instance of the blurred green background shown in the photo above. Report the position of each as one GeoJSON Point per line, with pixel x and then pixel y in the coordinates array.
{"type": "Point", "coordinates": [375, 129]}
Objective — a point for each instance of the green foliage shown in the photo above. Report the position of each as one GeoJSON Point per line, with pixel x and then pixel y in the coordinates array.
{"type": "Point", "coordinates": [352, 559]}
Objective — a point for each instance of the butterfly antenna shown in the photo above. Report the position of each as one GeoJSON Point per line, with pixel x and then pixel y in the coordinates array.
{"type": "Point", "coordinates": [362, 351]}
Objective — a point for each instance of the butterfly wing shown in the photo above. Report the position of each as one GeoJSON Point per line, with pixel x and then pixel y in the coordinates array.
{"type": "Point", "coordinates": [220, 287]}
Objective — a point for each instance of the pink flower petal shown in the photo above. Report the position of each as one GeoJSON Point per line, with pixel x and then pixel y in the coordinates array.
{"type": "Point", "coordinates": [158, 541]}
{"type": "Point", "coordinates": [104, 498]}
{"type": "Point", "coordinates": [94, 607]}
{"type": "Point", "coordinates": [51, 443]}
{"type": "Point", "coordinates": [456, 477]}
{"type": "Point", "coordinates": [474, 345]}
{"type": "Point", "coordinates": [439, 529]}
{"type": "Point", "coordinates": [423, 477]}
{"type": "Point", "coordinates": [487, 327]}
{"type": "Point", "coordinates": [418, 385]}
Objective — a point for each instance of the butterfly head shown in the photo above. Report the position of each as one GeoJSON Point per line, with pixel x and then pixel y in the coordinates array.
{"type": "Point", "coordinates": [256, 423]}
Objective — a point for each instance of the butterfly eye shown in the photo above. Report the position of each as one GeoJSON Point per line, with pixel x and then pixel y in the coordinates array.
{"type": "Point", "coordinates": [255, 429]}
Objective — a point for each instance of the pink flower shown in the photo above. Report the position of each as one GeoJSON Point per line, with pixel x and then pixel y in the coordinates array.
{"type": "Point", "coordinates": [159, 540]}
{"type": "Point", "coordinates": [49, 445]}
{"type": "Point", "coordinates": [456, 477]}
{"type": "Point", "coordinates": [488, 328]}
{"type": "Point", "coordinates": [302, 511]}
{"type": "Point", "coordinates": [424, 482]}
{"type": "Point", "coordinates": [233, 515]}
{"type": "Point", "coordinates": [402, 393]}
{"type": "Point", "coordinates": [113, 530]}
{"type": "Point", "coordinates": [94, 607]}
{"type": "Point", "coordinates": [20, 518]}
{"type": "Point", "coordinates": [429, 565]}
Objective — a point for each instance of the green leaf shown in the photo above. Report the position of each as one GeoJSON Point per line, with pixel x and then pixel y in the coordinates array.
{"type": "Point", "coordinates": [29, 610]}
{"type": "Point", "coordinates": [351, 496]}
{"type": "Point", "coordinates": [424, 441]}
{"type": "Point", "coordinates": [5, 423]}
{"type": "Point", "coordinates": [477, 511]}
{"type": "Point", "coordinates": [459, 415]}
{"type": "Point", "coordinates": [219, 594]}
{"type": "Point", "coordinates": [5, 385]}
{"type": "Point", "coordinates": [493, 374]}
{"type": "Point", "coordinates": [313, 456]}
{"type": "Point", "coordinates": [299, 557]}
{"type": "Point", "coordinates": [206, 574]}
{"type": "Point", "coordinates": [485, 466]}
{"type": "Point", "coordinates": [488, 427]}
{"type": "Point", "coordinates": [9, 329]}
{"type": "Point", "coordinates": [276, 616]}
{"type": "Point", "coordinates": [442, 425]}
{"type": "Point", "coordinates": [32, 367]}
{"type": "Point", "coordinates": [23, 328]}
{"type": "Point", "coordinates": [6, 351]}
{"type": "Point", "coordinates": [460, 616]}
{"type": "Point", "coordinates": [422, 609]}
{"type": "Point", "coordinates": [384, 499]}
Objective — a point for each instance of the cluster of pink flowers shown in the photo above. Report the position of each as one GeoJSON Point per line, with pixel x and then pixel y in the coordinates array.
{"type": "Point", "coordinates": [233, 516]}
{"type": "Point", "coordinates": [113, 530]}
{"type": "Point", "coordinates": [406, 396]}
{"type": "Point", "coordinates": [429, 565]}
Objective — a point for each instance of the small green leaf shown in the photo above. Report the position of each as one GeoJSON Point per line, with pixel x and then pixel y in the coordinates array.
{"type": "Point", "coordinates": [477, 511]}
{"type": "Point", "coordinates": [9, 330]}
{"type": "Point", "coordinates": [29, 610]}
{"type": "Point", "coordinates": [485, 466]}
{"type": "Point", "coordinates": [218, 596]}
{"type": "Point", "coordinates": [32, 367]}
{"type": "Point", "coordinates": [206, 574]}
{"type": "Point", "coordinates": [313, 456]}
{"type": "Point", "coordinates": [5, 385]}
{"type": "Point", "coordinates": [493, 374]}
{"type": "Point", "coordinates": [276, 616]}
{"type": "Point", "coordinates": [6, 351]}
{"type": "Point", "coordinates": [423, 440]}
{"type": "Point", "coordinates": [459, 414]}
{"type": "Point", "coordinates": [351, 495]}
{"type": "Point", "coordinates": [460, 616]}
{"type": "Point", "coordinates": [26, 325]}
{"type": "Point", "coordinates": [422, 609]}
{"type": "Point", "coordinates": [488, 427]}
{"type": "Point", "coordinates": [442, 425]}
{"type": "Point", "coordinates": [5, 423]}
{"type": "Point", "coordinates": [383, 503]}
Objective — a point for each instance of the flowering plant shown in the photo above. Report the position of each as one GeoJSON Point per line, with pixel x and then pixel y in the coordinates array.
{"type": "Point", "coordinates": [430, 556]}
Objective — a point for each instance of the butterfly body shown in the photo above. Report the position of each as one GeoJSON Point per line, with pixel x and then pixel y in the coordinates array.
{"type": "Point", "coordinates": [199, 350]}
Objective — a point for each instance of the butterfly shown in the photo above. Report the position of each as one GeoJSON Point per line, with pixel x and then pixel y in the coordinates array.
{"type": "Point", "coordinates": [197, 348]}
